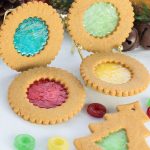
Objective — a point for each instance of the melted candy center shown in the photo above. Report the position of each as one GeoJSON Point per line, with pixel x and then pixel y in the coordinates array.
{"type": "Point", "coordinates": [47, 93]}
{"type": "Point", "coordinates": [115, 141]}
{"type": "Point", "coordinates": [100, 19]}
{"type": "Point", "coordinates": [112, 73]}
{"type": "Point", "coordinates": [31, 36]}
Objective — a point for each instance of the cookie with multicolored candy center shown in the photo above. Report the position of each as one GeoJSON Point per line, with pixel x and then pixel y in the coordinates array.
{"type": "Point", "coordinates": [109, 25]}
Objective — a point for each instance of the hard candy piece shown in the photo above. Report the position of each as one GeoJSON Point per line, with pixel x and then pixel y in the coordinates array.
{"type": "Point", "coordinates": [24, 142]}
{"type": "Point", "coordinates": [58, 143]}
{"type": "Point", "coordinates": [148, 102]}
{"type": "Point", "coordinates": [96, 110]}
{"type": "Point", "coordinates": [148, 112]}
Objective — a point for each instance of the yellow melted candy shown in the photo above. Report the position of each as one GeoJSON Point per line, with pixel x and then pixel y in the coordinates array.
{"type": "Point", "coordinates": [113, 73]}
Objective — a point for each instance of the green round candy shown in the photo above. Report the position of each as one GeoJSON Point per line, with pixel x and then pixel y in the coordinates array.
{"type": "Point", "coordinates": [100, 19]}
{"type": "Point", "coordinates": [24, 142]}
{"type": "Point", "coordinates": [148, 102]}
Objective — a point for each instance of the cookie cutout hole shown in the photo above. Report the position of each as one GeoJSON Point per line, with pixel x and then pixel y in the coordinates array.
{"type": "Point", "coordinates": [104, 19]}
{"type": "Point", "coordinates": [31, 36]}
{"type": "Point", "coordinates": [47, 93]}
{"type": "Point", "coordinates": [114, 141]}
{"type": "Point", "coordinates": [113, 73]}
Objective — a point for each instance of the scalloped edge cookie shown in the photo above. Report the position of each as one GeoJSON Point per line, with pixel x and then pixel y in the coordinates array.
{"type": "Point", "coordinates": [91, 43]}
{"type": "Point", "coordinates": [32, 9]}
{"type": "Point", "coordinates": [139, 81]}
{"type": "Point", "coordinates": [21, 106]}
{"type": "Point", "coordinates": [127, 115]}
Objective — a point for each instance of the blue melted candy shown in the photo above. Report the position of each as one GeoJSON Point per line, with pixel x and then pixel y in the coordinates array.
{"type": "Point", "coordinates": [31, 36]}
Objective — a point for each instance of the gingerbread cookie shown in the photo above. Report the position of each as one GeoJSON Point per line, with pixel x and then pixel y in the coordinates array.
{"type": "Point", "coordinates": [123, 130]}
{"type": "Point", "coordinates": [28, 36]}
{"type": "Point", "coordinates": [114, 74]}
{"type": "Point", "coordinates": [46, 95]}
{"type": "Point", "coordinates": [92, 27]}
{"type": "Point", "coordinates": [102, 26]}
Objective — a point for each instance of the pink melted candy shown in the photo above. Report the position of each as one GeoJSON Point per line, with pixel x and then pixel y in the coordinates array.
{"type": "Point", "coordinates": [47, 93]}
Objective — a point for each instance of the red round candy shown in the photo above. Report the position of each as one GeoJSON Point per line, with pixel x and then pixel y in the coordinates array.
{"type": "Point", "coordinates": [96, 110]}
{"type": "Point", "coordinates": [148, 112]}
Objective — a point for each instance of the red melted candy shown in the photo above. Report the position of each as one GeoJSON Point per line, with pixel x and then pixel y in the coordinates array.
{"type": "Point", "coordinates": [47, 93]}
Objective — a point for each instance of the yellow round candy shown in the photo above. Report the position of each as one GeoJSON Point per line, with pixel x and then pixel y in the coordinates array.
{"type": "Point", "coordinates": [58, 143]}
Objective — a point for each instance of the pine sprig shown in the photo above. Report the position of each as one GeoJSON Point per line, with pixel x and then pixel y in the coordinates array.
{"type": "Point", "coordinates": [142, 13]}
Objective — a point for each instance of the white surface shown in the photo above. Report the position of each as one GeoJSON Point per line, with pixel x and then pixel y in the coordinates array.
{"type": "Point", "coordinates": [11, 124]}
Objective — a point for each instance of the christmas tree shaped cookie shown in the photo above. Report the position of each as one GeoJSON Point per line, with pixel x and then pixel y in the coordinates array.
{"type": "Point", "coordinates": [123, 130]}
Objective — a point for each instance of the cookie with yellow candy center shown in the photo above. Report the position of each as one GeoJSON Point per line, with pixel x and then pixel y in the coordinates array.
{"type": "Point", "coordinates": [100, 27]}
{"type": "Point", "coordinates": [114, 74]}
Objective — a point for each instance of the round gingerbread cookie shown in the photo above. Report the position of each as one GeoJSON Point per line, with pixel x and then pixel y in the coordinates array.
{"type": "Point", "coordinates": [28, 36]}
{"type": "Point", "coordinates": [46, 95]}
{"type": "Point", "coordinates": [100, 25]}
{"type": "Point", "coordinates": [114, 74]}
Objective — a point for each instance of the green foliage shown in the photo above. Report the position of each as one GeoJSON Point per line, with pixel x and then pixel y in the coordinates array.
{"type": "Point", "coordinates": [61, 5]}
{"type": "Point", "coordinates": [142, 13]}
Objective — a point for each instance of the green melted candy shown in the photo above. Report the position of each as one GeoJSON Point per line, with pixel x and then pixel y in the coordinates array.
{"type": "Point", "coordinates": [115, 141]}
{"type": "Point", "coordinates": [101, 19]}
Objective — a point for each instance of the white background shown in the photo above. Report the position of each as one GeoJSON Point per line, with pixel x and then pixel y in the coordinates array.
{"type": "Point", "coordinates": [12, 125]}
